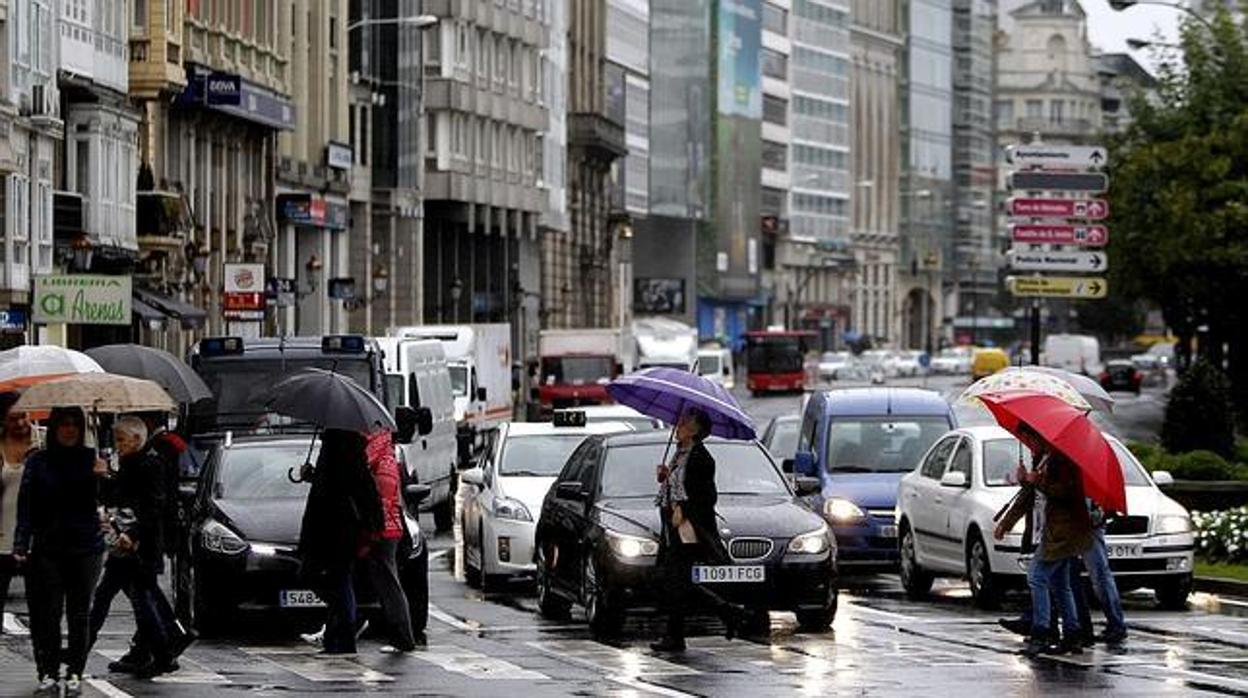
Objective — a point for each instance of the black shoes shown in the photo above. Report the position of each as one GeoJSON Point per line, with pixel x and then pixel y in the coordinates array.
{"type": "Point", "coordinates": [1018, 626]}
{"type": "Point", "coordinates": [668, 644]}
{"type": "Point", "coordinates": [1038, 645]}
{"type": "Point", "coordinates": [184, 640]}
{"type": "Point", "coordinates": [156, 667]}
{"type": "Point", "coordinates": [130, 662]}
{"type": "Point", "coordinates": [1113, 638]}
{"type": "Point", "coordinates": [1071, 644]}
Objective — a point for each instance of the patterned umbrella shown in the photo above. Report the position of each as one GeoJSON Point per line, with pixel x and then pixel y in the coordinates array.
{"type": "Point", "coordinates": [97, 392]}
{"type": "Point", "coordinates": [1004, 382]}
{"type": "Point", "coordinates": [27, 365]}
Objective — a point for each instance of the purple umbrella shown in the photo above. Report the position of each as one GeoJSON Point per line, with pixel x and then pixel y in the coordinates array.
{"type": "Point", "coordinates": [666, 393]}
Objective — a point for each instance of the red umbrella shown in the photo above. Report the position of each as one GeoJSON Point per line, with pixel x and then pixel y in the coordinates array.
{"type": "Point", "coordinates": [1070, 432]}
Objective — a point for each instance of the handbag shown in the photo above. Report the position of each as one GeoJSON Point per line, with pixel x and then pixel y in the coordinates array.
{"type": "Point", "coordinates": [684, 528]}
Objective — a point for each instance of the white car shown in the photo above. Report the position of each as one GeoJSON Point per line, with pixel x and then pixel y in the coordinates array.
{"type": "Point", "coordinates": [616, 413]}
{"type": "Point", "coordinates": [832, 363]}
{"type": "Point", "coordinates": [908, 364]}
{"type": "Point", "coordinates": [954, 361]}
{"type": "Point", "coordinates": [504, 494]}
{"type": "Point", "coordinates": [946, 506]}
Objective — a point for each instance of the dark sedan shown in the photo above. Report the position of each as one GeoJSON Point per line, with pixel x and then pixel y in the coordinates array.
{"type": "Point", "coordinates": [244, 531]}
{"type": "Point", "coordinates": [597, 537]}
{"type": "Point", "coordinates": [1121, 374]}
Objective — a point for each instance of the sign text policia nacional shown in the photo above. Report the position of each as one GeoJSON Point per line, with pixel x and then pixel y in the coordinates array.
{"type": "Point", "coordinates": [82, 299]}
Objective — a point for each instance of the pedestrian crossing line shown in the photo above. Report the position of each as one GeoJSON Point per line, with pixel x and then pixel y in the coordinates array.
{"type": "Point", "coordinates": [627, 670]}
{"type": "Point", "coordinates": [444, 617]}
{"type": "Point", "coordinates": [190, 671]}
{"type": "Point", "coordinates": [13, 626]}
{"type": "Point", "coordinates": [106, 688]}
{"type": "Point", "coordinates": [476, 665]}
{"type": "Point", "coordinates": [319, 668]}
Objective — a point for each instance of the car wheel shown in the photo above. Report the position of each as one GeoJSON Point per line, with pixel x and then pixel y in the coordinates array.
{"type": "Point", "coordinates": [416, 589]}
{"type": "Point", "coordinates": [444, 514]}
{"type": "Point", "coordinates": [550, 605]}
{"type": "Point", "coordinates": [605, 618]}
{"type": "Point", "coordinates": [212, 615]}
{"type": "Point", "coordinates": [818, 621]}
{"type": "Point", "coordinates": [914, 579]}
{"type": "Point", "coordinates": [1172, 594]}
{"type": "Point", "coordinates": [985, 587]}
{"type": "Point", "coordinates": [475, 575]}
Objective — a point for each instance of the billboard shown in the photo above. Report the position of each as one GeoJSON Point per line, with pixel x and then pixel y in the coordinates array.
{"type": "Point", "coordinates": [657, 296]}
{"type": "Point", "coordinates": [740, 67]}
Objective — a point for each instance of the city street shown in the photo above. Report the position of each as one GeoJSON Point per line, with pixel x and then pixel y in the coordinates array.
{"type": "Point", "coordinates": [880, 644]}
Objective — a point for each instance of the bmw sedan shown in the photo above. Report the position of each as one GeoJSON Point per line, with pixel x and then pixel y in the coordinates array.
{"type": "Point", "coordinates": [597, 538]}
{"type": "Point", "coordinates": [245, 524]}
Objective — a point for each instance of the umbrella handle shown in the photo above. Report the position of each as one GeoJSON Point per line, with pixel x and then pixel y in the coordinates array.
{"type": "Point", "coordinates": [290, 472]}
{"type": "Point", "coordinates": [671, 436]}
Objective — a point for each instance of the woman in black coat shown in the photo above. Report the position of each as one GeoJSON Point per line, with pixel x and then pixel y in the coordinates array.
{"type": "Point", "coordinates": [58, 529]}
{"type": "Point", "coordinates": [343, 509]}
{"type": "Point", "coordinates": [686, 501]}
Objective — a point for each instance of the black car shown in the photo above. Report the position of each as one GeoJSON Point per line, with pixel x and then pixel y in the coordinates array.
{"type": "Point", "coordinates": [1121, 374]}
{"type": "Point", "coordinates": [780, 437]}
{"type": "Point", "coordinates": [597, 537]}
{"type": "Point", "coordinates": [244, 531]}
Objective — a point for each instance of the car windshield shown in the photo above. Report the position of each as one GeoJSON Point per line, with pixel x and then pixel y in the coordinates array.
{"type": "Point", "coordinates": [774, 354]}
{"type": "Point", "coordinates": [1001, 460]}
{"type": "Point", "coordinates": [459, 380]}
{"type": "Point", "coordinates": [741, 468]}
{"type": "Point", "coordinates": [241, 387]}
{"type": "Point", "coordinates": [708, 364]}
{"type": "Point", "coordinates": [260, 472]}
{"type": "Point", "coordinates": [537, 455]}
{"type": "Point", "coordinates": [577, 370]}
{"type": "Point", "coordinates": [783, 442]}
{"type": "Point", "coordinates": [881, 444]}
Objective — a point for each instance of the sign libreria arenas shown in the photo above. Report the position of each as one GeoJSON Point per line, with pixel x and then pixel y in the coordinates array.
{"type": "Point", "coordinates": [82, 299]}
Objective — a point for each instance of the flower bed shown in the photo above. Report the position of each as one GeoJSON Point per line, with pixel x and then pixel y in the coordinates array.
{"type": "Point", "coordinates": [1222, 536]}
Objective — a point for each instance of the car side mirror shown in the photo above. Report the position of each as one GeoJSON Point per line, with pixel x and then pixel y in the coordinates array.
{"type": "Point", "coordinates": [1162, 478]}
{"type": "Point", "coordinates": [481, 394]}
{"type": "Point", "coordinates": [727, 371]}
{"type": "Point", "coordinates": [786, 466]}
{"type": "Point", "coordinates": [570, 490]}
{"type": "Point", "coordinates": [955, 478]}
{"type": "Point", "coordinates": [473, 476]}
{"type": "Point", "coordinates": [416, 493]}
{"type": "Point", "coordinates": [407, 421]}
{"type": "Point", "coordinates": [806, 486]}
{"type": "Point", "coordinates": [804, 463]}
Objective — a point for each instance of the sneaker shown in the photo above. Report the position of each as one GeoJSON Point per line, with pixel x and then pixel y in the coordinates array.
{"type": "Point", "coordinates": [73, 686]}
{"type": "Point", "coordinates": [315, 638]}
{"type": "Point", "coordinates": [48, 686]}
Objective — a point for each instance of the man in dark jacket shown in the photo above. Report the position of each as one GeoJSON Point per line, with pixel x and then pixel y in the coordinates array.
{"type": "Point", "coordinates": [134, 501]}
{"type": "Point", "coordinates": [686, 501]}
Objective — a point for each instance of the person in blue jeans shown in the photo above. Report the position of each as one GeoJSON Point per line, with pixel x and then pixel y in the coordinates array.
{"type": "Point", "coordinates": [1096, 562]}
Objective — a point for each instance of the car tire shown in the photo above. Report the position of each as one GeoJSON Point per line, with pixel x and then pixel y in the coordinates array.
{"type": "Point", "coordinates": [549, 604]}
{"type": "Point", "coordinates": [756, 623]}
{"type": "Point", "coordinates": [818, 621]}
{"type": "Point", "coordinates": [475, 576]}
{"type": "Point", "coordinates": [985, 586]}
{"type": "Point", "coordinates": [416, 589]}
{"type": "Point", "coordinates": [1172, 594]}
{"type": "Point", "coordinates": [916, 581]}
{"type": "Point", "coordinates": [444, 514]}
{"type": "Point", "coordinates": [604, 616]}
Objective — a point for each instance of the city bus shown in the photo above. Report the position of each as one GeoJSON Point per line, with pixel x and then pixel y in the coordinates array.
{"type": "Point", "coordinates": [775, 360]}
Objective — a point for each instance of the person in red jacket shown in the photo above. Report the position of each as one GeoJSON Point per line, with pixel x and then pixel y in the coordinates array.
{"type": "Point", "coordinates": [382, 552]}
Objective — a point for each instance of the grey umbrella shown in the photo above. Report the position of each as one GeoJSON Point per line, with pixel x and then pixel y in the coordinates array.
{"type": "Point", "coordinates": [330, 401]}
{"type": "Point", "coordinates": [1088, 388]}
{"type": "Point", "coordinates": [162, 368]}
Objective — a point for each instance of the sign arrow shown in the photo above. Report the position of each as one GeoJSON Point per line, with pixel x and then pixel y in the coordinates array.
{"type": "Point", "coordinates": [1096, 261]}
{"type": "Point", "coordinates": [1044, 260]}
{"type": "Point", "coordinates": [1057, 287]}
{"type": "Point", "coordinates": [1057, 157]}
{"type": "Point", "coordinates": [1097, 157]}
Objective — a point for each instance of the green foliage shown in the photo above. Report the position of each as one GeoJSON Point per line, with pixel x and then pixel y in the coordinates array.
{"type": "Point", "coordinates": [1206, 466]}
{"type": "Point", "coordinates": [1199, 414]}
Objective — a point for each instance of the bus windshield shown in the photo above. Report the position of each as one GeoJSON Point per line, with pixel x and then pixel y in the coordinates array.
{"type": "Point", "coordinates": [775, 354]}
{"type": "Point", "coordinates": [241, 387]}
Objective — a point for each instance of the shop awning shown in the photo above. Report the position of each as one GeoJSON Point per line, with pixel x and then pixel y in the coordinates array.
{"type": "Point", "coordinates": [190, 316]}
{"type": "Point", "coordinates": [146, 314]}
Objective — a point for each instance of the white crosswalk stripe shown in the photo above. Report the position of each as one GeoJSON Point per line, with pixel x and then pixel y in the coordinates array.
{"type": "Point", "coordinates": [312, 666]}
{"type": "Point", "coordinates": [476, 665]}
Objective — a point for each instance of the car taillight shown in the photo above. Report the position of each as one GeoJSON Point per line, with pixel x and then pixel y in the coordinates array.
{"type": "Point", "coordinates": [1104, 376]}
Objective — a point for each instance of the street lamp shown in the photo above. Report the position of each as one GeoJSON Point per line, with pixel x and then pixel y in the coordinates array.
{"type": "Point", "coordinates": [81, 252]}
{"type": "Point", "coordinates": [1137, 44]}
{"type": "Point", "coordinates": [381, 280]}
{"type": "Point", "coordinates": [419, 21]}
{"type": "Point", "coordinates": [1121, 5]}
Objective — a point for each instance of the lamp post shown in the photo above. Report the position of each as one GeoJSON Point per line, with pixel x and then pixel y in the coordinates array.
{"type": "Point", "coordinates": [1121, 5]}
{"type": "Point", "coordinates": [418, 21]}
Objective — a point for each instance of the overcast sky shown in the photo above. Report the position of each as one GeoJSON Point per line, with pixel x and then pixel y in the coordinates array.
{"type": "Point", "coordinates": [1109, 30]}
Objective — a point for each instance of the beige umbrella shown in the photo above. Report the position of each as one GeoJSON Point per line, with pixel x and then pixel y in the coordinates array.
{"type": "Point", "coordinates": [98, 393]}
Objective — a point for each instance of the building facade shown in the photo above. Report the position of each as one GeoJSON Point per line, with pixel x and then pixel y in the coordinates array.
{"type": "Point", "coordinates": [876, 166]}
{"type": "Point", "coordinates": [927, 203]}
{"type": "Point", "coordinates": [780, 254]}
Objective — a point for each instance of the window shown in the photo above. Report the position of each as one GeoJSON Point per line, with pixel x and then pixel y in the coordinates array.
{"type": "Point", "coordinates": [961, 462]}
{"type": "Point", "coordinates": [82, 167]}
{"type": "Point", "coordinates": [1035, 108]}
{"type": "Point", "coordinates": [775, 64]}
{"type": "Point", "coordinates": [1005, 111]}
{"type": "Point", "coordinates": [934, 464]}
{"type": "Point", "coordinates": [820, 61]}
{"type": "Point", "coordinates": [775, 156]}
{"type": "Point", "coordinates": [808, 9]}
{"type": "Point", "coordinates": [333, 32]}
{"type": "Point", "coordinates": [819, 157]}
{"type": "Point", "coordinates": [140, 15]}
{"type": "Point", "coordinates": [1056, 110]}
{"type": "Point", "coordinates": [775, 19]}
{"type": "Point", "coordinates": [775, 110]}
{"type": "Point", "coordinates": [820, 109]}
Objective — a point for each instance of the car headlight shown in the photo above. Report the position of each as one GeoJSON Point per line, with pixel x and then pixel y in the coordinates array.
{"type": "Point", "coordinates": [508, 508]}
{"type": "Point", "coordinates": [630, 547]}
{"type": "Point", "coordinates": [839, 510]}
{"type": "Point", "coordinates": [813, 543]}
{"type": "Point", "coordinates": [219, 539]}
{"type": "Point", "coordinates": [1173, 523]}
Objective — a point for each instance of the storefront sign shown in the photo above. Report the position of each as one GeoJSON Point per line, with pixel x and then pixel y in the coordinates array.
{"type": "Point", "coordinates": [82, 299]}
{"type": "Point", "coordinates": [223, 89]}
{"type": "Point", "coordinates": [244, 287]}
{"type": "Point", "coordinates": [231, 94]}
{"type": "Point", "coordinates": [306, 209]}
{"type": "Point", "coordinates": [12, 320]}
{"type": "Point", "coordinates": [280, 292]}
{"type": "Point", "coordinates": [339, 156]}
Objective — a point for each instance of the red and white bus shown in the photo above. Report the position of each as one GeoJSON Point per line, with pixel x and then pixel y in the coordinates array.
{"type": "Point", "coordinates": [775, 360]}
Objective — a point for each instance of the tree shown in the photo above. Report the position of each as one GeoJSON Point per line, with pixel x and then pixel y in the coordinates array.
{"type": "Point", "coordinates": [1199, 414]}
{"type": "Point", "coordinates": [1180, 197]}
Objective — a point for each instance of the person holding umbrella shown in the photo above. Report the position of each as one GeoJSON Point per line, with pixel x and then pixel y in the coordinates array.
{"type": "Point", "coordinates": [382, 557]}
{"type": "Point", "coordinates": [58, 532]}
{"type": "Point", "coordinates": [16, 443]}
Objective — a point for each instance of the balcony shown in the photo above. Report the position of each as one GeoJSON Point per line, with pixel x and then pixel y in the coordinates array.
{"type": "Point", "coordinates": [597, 135]}
{"type": "Point", "coordinates": [163, 221]}
{"type": "Point", "coordinates": [1046, 127]}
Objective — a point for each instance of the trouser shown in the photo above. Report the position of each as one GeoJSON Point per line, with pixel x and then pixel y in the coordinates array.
{"type": "Point", "coordinates": [59, 584]}
{"type": "Point", "coordinates": [680, 589]}
{"type": "Point", "coordinates": [337, 591]}
{"type": "Point", "coordinates": [383, 572]}
{"type": "Point", "coordinates": [1096, 560]}
{"type": "Point", "coordinates": [129, 575]}
{"type": "Point", "coordinates": [1051, 577]}
{"type": "Point", "coordinates": [8, 569]}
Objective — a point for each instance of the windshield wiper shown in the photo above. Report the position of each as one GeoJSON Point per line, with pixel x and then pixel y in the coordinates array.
{"type": "Point", "coordinates": [525, 473]}
{"type": "Point", "coordinates": [849, 469]}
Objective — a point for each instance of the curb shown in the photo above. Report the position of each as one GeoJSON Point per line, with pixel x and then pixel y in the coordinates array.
{"type": "Point", "coordinates": [1219, 585]}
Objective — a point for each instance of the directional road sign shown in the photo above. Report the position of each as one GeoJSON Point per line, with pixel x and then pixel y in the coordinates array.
{"type": "Point", "coordinates": [1026, 260]}
{"type": "Point", "coordinates": [1057, 286]}
{"type": "Point", "coordinates": [1057, 156]}
{"type": "Point", "coordinates": [1094, 182]}
{"type": "Point", "coordinates": [1082, 235]}
{"type": "Point", "coordinates": [1091, 209]}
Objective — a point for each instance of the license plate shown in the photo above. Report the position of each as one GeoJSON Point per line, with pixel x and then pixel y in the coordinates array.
{"type": "Point", "coordinates": [1121, 550]}
{"type": "Point", "coordinates": [299, 598]}
{"type": "Point", "coordinates": [888, 531]}
{"type": "Point", "coordinates": [715, 574]}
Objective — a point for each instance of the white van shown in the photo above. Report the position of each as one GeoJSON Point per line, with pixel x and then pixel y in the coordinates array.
{"type": "Point", "coordinates": [417, 376]}
{"type": "Point", "coordinates": [715, 364]}
{"type": "Point", "coordinates": [1077, 353]}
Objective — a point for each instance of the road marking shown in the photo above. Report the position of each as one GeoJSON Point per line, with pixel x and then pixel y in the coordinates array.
{"type": "Point", "coordinates": [190, 671]}
{"type": "Point", "coordinates": [108, 689]}
{"type": "Point", "coordinates": [476, 665]}
{"type": "Point", "coordinates": [628, 669]}
{"type": "Point", "coordinates": [13, 626]}
{"type": "Point", "coordinates": [322, 669]}
{"type": "Point", "coordinates": [443, 616]}
{"type": "Point", "coordinates": [437, 554]}
{"type": "Point", "coordinates": [884, 614]}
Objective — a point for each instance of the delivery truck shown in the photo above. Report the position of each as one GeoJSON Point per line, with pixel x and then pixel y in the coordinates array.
{"type": "Point", "coordinates": [665, 342]}
{"type": "Point", "coordinates": [575, 365]}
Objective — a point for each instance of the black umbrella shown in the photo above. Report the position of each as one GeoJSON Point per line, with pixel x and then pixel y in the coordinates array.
{"type": "Point", "coordinates": [156, 365]}
{"type": "Point", "coordinates": [330, 401]}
